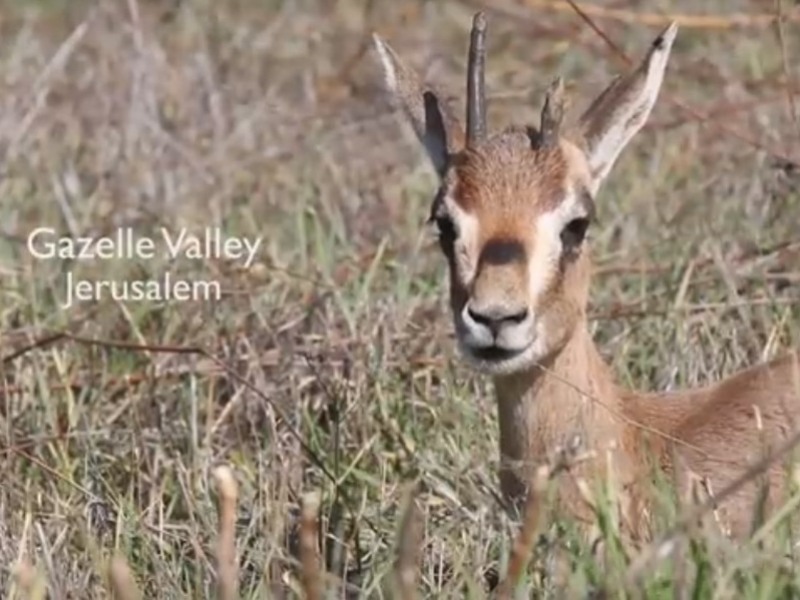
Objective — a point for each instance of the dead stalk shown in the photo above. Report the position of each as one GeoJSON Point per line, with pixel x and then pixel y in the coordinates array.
{"type": "Point", "coordinates": [564, 460]}
{"type": "Point", "coordinates": [311, 575]}
{"type": "Point", "coordinates": [123, 584]}
{"type": "Point", "coordinates": [523, 545]}
{"type": "Point", "coordinates": [408, 548]}
{"type": "Point", "coordinates": [227, 575]}
{"type": "Point", "coordinates": [30, 581]}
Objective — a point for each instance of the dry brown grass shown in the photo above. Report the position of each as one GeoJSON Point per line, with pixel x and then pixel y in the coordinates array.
{"type": "Point", "coordinates": [329, 365]}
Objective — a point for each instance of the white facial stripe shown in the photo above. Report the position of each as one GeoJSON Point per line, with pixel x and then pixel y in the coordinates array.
{"type": "Point", "coordinates": [544, 263]}
{"type": "Point", "coordinates": [466, 244]}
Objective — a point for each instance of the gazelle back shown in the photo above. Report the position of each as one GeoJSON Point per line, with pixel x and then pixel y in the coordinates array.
{"type": "Point", "coordinates": [512, 210]}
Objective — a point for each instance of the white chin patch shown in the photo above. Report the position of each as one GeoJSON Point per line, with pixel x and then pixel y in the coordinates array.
{"type": "Point", "coordinates": [499, 362]}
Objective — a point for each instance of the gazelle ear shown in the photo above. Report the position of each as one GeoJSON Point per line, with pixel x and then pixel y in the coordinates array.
{"type": "Point", "coordinates": [438, 130]}
{"type": "Point", "coordinates": [623, 108]}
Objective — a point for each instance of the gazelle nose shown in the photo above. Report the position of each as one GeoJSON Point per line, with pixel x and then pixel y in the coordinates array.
{"type": "Point", "coordinates": [496, 317]}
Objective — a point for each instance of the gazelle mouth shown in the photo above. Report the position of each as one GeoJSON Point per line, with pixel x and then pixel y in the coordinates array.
{"type": "Point", "coordinates": [494, 353]}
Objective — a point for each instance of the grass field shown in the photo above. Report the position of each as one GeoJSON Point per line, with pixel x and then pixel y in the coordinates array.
{"type": "Point", "coordinates": [328, 365]}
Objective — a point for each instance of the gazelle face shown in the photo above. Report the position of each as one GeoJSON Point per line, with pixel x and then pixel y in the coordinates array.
{"type": "Point", "coordinates": [513, 209]}
{"type": "Point", "coordinates": [512, 223]}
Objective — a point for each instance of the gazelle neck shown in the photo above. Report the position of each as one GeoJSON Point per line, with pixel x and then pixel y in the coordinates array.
{"type": "Point", "coordinates": [545, 407]}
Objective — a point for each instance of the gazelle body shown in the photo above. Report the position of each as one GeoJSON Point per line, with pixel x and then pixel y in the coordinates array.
{"type": "Point", "coordinates": [512, 211]}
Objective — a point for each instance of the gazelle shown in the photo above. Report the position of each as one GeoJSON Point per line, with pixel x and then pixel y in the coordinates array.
{"type": "Point", "coordinates": [512, 210]}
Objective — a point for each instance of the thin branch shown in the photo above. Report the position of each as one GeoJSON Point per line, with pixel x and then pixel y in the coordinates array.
{"type": "Point", "coordinates": [43, 342]}
{"type": "Point", "coordinates": [688, 21]}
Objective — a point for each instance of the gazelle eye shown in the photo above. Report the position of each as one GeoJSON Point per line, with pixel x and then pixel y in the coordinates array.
{"type": "Point", "coordinates": [574, 233]}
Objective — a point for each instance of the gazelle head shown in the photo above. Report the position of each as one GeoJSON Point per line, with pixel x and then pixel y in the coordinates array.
{"type": "Point", "coordinates": [513, 208]}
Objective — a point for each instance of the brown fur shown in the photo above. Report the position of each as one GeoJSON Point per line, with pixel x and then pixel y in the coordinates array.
{"type": "Point", "coordinates": [503, 175]}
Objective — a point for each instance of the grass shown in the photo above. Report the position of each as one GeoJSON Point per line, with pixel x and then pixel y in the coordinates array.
{"type": "Point", "coordinates": [328, 367]}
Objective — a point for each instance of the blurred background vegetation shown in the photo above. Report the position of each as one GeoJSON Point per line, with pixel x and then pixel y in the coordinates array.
{"type": "Point", "coordinates": [329, 365]}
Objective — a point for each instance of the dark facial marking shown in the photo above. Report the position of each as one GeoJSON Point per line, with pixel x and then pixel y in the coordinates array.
{"type": "Point", "coordinates": [446, 229]}
{"type": "Point", "coordinates": [502, 252]}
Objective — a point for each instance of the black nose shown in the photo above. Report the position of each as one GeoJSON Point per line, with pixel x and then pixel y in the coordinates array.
{"type": "Point", "coordinates": [495, 318]}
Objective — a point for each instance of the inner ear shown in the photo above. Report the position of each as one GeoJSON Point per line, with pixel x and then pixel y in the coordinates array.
{"type": "Point", "coordinates": [435, 132]}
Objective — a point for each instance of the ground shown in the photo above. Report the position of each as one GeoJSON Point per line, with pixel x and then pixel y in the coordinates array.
{"type": "Point", "coordinates": [328, 364]}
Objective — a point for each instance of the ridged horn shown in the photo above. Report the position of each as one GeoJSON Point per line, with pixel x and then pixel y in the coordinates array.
{"type": "Point", "coordinates": [552, 114]}
{"type": "Point", "coordinates": [476, 89]}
